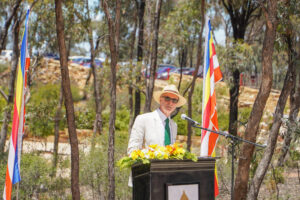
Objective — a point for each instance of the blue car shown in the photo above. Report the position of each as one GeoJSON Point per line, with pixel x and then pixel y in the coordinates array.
{"type": "Point", "coordinates": [163, 71]}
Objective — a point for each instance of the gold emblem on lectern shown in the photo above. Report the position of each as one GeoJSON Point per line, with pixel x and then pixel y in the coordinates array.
{"type": "Point", "coordinates": [183, 196]}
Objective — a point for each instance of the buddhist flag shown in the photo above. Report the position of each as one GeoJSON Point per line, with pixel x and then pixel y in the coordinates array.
{"type": "Point", "coordinates": [14, 156]}
{"type": "Point", "coordinates": [211, 75]}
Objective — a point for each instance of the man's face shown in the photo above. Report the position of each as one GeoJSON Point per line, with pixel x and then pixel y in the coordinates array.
{"type": "Point", "coordinates": [168, 102]}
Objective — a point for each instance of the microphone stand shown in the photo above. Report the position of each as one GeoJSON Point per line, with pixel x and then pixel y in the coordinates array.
{"type": "Point", "coordinates": [234, 140]}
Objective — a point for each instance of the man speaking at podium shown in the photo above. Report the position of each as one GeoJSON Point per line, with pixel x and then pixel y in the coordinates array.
{"type": "Point", "coordinates": [157, 127]}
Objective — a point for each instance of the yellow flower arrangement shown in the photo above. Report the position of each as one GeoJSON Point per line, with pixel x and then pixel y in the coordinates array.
{"type": "Point", "coordinates": [175, 151]}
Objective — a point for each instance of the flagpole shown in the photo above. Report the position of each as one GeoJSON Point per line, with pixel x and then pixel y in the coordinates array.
{"type": "Point", "coordinates": [17, 197]}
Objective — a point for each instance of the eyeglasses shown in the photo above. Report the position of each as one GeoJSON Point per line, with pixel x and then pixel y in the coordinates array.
{"type": "Point", "coordinates": [168, 99]}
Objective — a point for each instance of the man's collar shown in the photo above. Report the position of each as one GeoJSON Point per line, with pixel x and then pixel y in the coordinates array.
{"type": "Point", "coordinates": [161, 114]}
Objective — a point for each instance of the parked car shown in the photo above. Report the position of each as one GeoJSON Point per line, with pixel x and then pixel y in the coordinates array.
{"type": "Point", "coordinates": [75, 59]}
{"type": "Point", "coordinates": [189, 71]}
{"type": "Point", "coordinates": [184, 70]}
{"type": "Point", "coordinates": [51, 56]}
{"type": "Point", "coordinates": [165, 72]}
{"type": "Point", "coordinates": [86, 62]}
{"type": "Point", "coordinates": [162, 71]}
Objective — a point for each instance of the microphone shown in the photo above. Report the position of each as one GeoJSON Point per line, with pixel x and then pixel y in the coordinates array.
{"type": "Point", "coordinates": [184, 117]}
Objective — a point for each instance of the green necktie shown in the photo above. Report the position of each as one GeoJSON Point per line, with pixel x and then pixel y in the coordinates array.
{"type": "Point", "coordinates": [167, 133]}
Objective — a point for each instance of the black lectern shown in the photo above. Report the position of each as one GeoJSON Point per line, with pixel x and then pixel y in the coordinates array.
{"type": "Point", "coordinates": [174, 179]}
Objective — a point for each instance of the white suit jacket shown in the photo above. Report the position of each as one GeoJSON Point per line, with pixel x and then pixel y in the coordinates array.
{"type": "Point", "coordinates": [149, 129]}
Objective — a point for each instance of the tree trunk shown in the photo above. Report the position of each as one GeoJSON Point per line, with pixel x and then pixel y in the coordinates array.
{"type": "Point", "coordinates": [56, 131]}
{"type": "Point", "coordinates": [69, 34]}
{"type": "Point", "coordinates": [153, 63]}
{"type": "Point", "coordinates": [141, 11]}
{"type": "Point", "coordinates": [234, 98]}
{"type": "Point", "coordinates": [97, 91]}
{"type": "Point", "coordinates": [241, 181]}
{"type": "Point", "coordinates": [198, 62]}
{"type": "Point", "coordinates": [191, 51]}
{"type": "Point", "coordinates": [114, 32]}
{"type": "Point", "coordinates": [294, 110]}
{"type": "Point", "coordinates": [180, 79]}
{"type": "Point", "coordinates": [4, 31]}
{"type": "Point", "coordinates": [68, 100]}
{"type": "Point", "coordinates": [277, 120]}
{"type": "Point", "coordinates": [97, 94]}
{"type": "Point", "coordinates": [10, 99]}
{"type": "Point", "coordinates": [183, 56]}
{"type": "Point", "coordinates": [84, 97]}
{"type": "Point", "coordinates": [98, 120]}
{"type": "Point", "coordinates": [130, 85]}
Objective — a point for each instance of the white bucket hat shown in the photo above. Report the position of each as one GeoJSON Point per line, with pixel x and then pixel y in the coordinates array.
{"type": "Point", "coordinates": [170, 89]}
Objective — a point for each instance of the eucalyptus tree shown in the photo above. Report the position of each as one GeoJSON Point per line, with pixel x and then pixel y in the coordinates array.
{"type": "Point", "coordinates": [42, 40]}
{"type": "Point", "coordinates": [181, 30]}
{"type": "Point", "coordinates": [241, 181]}
{"type": "Point", "coordinates": [69, 105]}
{"type": "Point", "coordinates": [289, 83]}
{"type": "Point", "coordinates": [180, 33]}
{"type": "Point", "coordinates": [241, 13]}
{"type": "Point", "coordinates": [57, 118]}
{"type": "Point", "coordinates": [140, 6]}
{"type": "Point", "coordinates": [238, 55]}
{"type": "Point", "coordinates": [8, 11]}
{"type": "Point", "coordinates": [153, 56]}
{"type": "Point", "coordinates": [198, 62]}
{"type": "Point", "coordinates": [131, 74]}
{"type": "Point", "coordinates": [113, 17]}
{"type": "Point", "coordinates": [87, 22]}
{"type": "Point", "coordinates": [17, 15]}
{"type": "Point", "coordinates": [10, 97]}
{"type": "Point", "coordinates": [293, 23]}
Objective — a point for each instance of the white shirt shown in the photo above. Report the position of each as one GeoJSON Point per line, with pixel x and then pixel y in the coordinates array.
{"type": "Point", "coordinates": [149, 128]}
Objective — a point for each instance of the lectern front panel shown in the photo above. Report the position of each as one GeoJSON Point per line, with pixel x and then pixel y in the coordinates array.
{"type": "Point", "coordinates": [161, 179]}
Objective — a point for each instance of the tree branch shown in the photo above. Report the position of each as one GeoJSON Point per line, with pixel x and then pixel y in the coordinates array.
{"type": "Point", "coordinates": [4, 95]}
{"type": "Point", "coordinates": [100, 37]}
{"type": "Point", "coordinates": [3, 34]}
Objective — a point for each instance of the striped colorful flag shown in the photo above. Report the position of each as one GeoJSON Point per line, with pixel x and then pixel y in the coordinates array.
{"type": "Point", "coordinates": [14, 156]}
{"type": "Point", "coordinates": [211, 75]}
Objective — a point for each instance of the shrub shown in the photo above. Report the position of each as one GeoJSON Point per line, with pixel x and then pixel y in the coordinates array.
{"type": "Point", "coordinates": [35, 175]}
{"type": "Point", "coordinates": [35, 180]}
{"type": "Point", "coordinates": [244, 114]}
{"type": "Point", "coordinates": [84, 118]}
{"type": "Point", "coordinates": [93, 168]}
{"type": "Point", "coordinates": [41, 109]}
{"type": "Point", "coordinates": [122, 118]}
{"type": "Point", "coordinates": [75, 93]}
{"type": "Point", "coordinates": [181, 125]}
